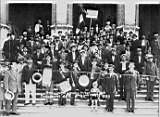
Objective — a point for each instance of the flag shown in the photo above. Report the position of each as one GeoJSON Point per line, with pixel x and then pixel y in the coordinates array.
{"type": "Point", "coordinates": [81, 19]}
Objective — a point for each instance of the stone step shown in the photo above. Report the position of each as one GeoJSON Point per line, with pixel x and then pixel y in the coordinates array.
{"type": "Point", "coordinates": [141, 103]}
{"type": "Point", "coordinates": [86, 106]}
{"type": "Point", "coordinates": [84, 111]}
{"type": "Point", "coordinates": [140, 94]}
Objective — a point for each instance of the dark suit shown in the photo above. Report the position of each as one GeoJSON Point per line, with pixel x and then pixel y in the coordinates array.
{"type": "Point", "coordinates": [27, 74]}
{"type": "Point", "coordinates": [139, 64]}
{"type": "Point", "coordinates": [155, 46]}
{"type": "Point", "coordinates": [115, 62]}
{"type": "Point", "coordinates": [70, 58]}
{"type": "Point", "coordinates": [10, 50]}
{"type": "Point", "coordinates": [1, 88]}
{"type": "Point", "coordinates": [87, 64]}
{"type": "Point", "coordinates": [150, 68]}
{"type": "Point", "coordinates": [130, 87]}
{"type": "Point", "coordinates": [110, 84]}
{"type": "Point", "coordinates": [144, 47]}
{"type": "Point", "coordinates": [38, 58]}
{"type": "Point", "coordinates": [121, 79]}
{"type": "Point", "coordinates": [134, 46]}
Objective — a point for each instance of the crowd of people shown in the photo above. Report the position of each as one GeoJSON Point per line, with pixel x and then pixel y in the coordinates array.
{"type": "Point", "coordinates": [113, 60]}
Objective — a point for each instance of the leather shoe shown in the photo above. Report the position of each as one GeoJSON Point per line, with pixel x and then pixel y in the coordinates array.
{"type": "Point", "coordinates": [33, 104]}
{"type": "Point", "coordinates": [14, 113]}
{"type": "Point", "coordinates": [26, 104]}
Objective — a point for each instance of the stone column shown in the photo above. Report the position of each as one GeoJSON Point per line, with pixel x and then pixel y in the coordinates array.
{"type": "Point", "coordinates": [61, 11]}
{"type": "Point", "coordinates": [4, 11]}
{"type": "Point", "coordinates": [69, 13]}
{"type": "Point", "coordinates": [137, 15]}
{"type": "Point", "coordinates": [120, 14]}
{"type": "Point", "coordinates": [130, 12]}
{"type": "Point", "coordinates": [54, 14]}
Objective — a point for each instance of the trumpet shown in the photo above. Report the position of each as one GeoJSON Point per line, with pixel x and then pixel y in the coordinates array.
{"type": "Point", "coordinates": [9, 95]}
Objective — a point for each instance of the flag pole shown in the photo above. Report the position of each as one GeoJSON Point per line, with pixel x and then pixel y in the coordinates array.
{"type": "Point", "coordinates": [90, 24]}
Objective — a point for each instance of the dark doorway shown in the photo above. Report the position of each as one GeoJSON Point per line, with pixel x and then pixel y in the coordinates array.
{"type": "Point", "coordinates": [24, 15]}
{"type": "Point", "coordinates": [149, 19]}
{"type": "Point", "coordinates": [105, 12]}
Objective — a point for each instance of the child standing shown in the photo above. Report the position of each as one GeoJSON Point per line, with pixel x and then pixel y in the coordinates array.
{"type": "Point", "coordinates": [94, 94]}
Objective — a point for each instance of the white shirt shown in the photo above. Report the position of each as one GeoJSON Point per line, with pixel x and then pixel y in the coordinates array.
{"type": "Point", "coordinates": [143, 43]}
{"type": "Point", "coordinates": [113, 58]}
{"type": "Point", "coordinates": [56, 48]}
{"type": "Point", "coordinates": [73, 55]}
{"type": "Point", "coordinates": [139, 59]}
{"type": "Point", "coordinates": [37, 27]}
{"type": "Point", "coordinates": [83, 59]}
{"type": "Point", "coordinates": [124, 65]}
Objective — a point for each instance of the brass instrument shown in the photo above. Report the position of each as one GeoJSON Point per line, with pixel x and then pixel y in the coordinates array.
{"type": "Point", "coordinates": [9, 95]}
{"type": "Point", "coordinates": [37, 77]}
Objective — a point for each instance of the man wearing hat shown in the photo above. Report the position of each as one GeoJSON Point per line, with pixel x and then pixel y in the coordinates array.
{"type": "Point", "coordinates": [30, 86]}
{"type": "Point", "coordinates": [84, 61]}
{"type": "Point", "coordinates": [139, 61]}
{"type": "Point", "coordinates": [10, 49]}
{"type": "Point", "coordinates": [150, 69]}
{"type": "Point", "coordinates": [73, 54]}
{"type": "Point", "coordinates": [130, 81]}
{"type": "Point", "coordinates": [122, 68]}
{"type": "Point", "coordinates": [111, 87]}
{"type": "Point", "coordinates": [113, 58]}
{"type": "Point", "coordinates": [11, 84]}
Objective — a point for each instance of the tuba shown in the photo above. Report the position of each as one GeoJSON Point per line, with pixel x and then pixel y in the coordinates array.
{"type": "Point", "coordinates": [37, 77]}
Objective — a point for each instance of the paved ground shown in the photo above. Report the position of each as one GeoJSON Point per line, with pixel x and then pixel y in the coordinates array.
{"type": "Point", "coordinates": [80, 111]}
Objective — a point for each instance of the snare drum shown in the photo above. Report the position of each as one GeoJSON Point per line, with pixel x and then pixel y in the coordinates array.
{"type": "Point", "coordinates": [64, 86]}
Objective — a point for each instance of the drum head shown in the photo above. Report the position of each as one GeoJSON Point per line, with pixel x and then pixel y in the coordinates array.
{"type": "Point", "coordinates": [83, 80]}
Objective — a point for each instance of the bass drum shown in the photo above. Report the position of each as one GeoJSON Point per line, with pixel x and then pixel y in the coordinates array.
{"type": "Point", "coordinates": [83, 82]}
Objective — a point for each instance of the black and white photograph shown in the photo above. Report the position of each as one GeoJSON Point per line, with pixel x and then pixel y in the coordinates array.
{"type": "Point", "coordinates": [80, 58]}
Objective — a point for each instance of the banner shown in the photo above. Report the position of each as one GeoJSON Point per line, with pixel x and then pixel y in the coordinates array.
{"type": "Point", "coordinates": [92, 14]}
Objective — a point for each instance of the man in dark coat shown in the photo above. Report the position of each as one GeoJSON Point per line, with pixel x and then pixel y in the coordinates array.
{"type": "Point", "coordinates": [113, 58]}
{"type": "Point", "coordinates": [30, 86]}
{"type": "Point", "coordinates": [73, 55]}
{"type": "Point", "coordinates": [84, 62]}
{"type": "Point", "coordinates": [150, 69]}
{"type": "Point", "coordinates": [122, 68]}
{"type": "Point", "coordinates": [10, 49]}
{"type": "Point", "coordinates": [111, 87]}
{"type": "Point", "coordinates": [139, 61]}
{"type": "Point", "coordinates": [131, 77]}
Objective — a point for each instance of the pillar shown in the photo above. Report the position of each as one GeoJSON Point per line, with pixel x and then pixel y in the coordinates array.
{"type": "Point", "coordinates": [4, 12]}
{"type": "Point", "coordinates": [53, 13]}
{"type": "Point", "coordinates": [137, 15]}
{"type": "Point", "coordinates": [120, 14]}
{"type": "Point", "coordinates": [61, 11]}
{"type": "Point", "coordinates": [69, 13]}
{"type": "Point", "coordinates": [130, 12]}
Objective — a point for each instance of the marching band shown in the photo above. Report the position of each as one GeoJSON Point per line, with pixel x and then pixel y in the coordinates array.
{"type": "Point", "coordinates": [90, 62]}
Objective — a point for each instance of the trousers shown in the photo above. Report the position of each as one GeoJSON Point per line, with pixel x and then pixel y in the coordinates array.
{"type": "Point", "coordinates": [11, 105]}
{"type": "Point", "coordinates": [30, 89]}
{"type": "Point", "coordinates": [130, 99]}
